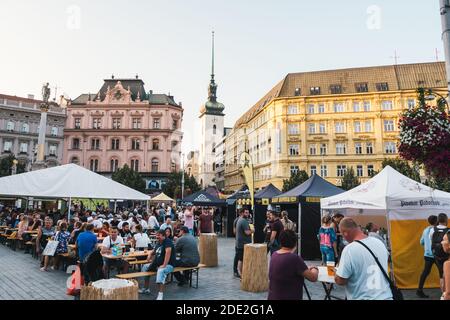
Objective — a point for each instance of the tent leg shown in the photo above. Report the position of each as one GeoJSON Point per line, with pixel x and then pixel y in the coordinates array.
{"type": "Point", "coordinates": [68, 208]}
{"type": "Point", "coordinates": [115, 206]}
{"type": "Point", "coordinates": [299, 227]}
{"type": "Point", "coordinates": [391, 260]}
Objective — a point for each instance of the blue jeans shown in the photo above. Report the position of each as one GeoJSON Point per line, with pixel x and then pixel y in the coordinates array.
{"type": "Point", "coordinates": [327, 254]}
{"type": "Point", "coordinates": [162, 273]}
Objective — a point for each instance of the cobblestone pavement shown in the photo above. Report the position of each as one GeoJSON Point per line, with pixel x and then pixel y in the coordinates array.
{"type": "Point", "coordinates": [20, 279]}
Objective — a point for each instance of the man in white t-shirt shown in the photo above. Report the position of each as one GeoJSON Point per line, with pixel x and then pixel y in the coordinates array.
{"type": "Point", "coordinates": [114, 239]}
{"type": "Point", "coordinates": [358, 270]}
{"type": "Point", "coordinates": [152, 223]}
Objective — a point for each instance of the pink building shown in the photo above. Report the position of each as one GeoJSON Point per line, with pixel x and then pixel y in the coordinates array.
{"type": "Point", "coordinates": [124, 124]}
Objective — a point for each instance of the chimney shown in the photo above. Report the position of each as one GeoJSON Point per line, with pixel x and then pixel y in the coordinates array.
{"type": "Point", "coordinates": [150, 92]}
{"type": "Point", "coordinates": [31, 96]}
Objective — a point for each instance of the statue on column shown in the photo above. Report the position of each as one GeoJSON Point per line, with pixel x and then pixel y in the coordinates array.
{"type": "Point", "coordinates": [45, 96]}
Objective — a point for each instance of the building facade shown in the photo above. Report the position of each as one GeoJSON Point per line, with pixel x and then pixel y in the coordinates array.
{"type": "Point", "coordinates": [191, 166]}
{"type": "Point", "coordinates": [124, 124]}
{"type": "Point", "coordinates": [19, 130]}
{"type": "Point", "coordinates": [326, 122]}
{"type": "Point", "coordinates": [219, 168]}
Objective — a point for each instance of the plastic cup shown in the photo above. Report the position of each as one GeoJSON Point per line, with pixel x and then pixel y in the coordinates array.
{"type": "Point", "coordinates": [330, 268]}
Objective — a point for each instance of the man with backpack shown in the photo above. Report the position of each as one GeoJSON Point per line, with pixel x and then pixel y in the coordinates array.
{"type": "Point", "coordinates": [437, 236]}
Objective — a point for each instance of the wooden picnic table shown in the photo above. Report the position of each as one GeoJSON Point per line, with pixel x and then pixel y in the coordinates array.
{"type": "Point", "coordinates": [327, 283]}
{"type": "Point", "coordinates": [31, 232]}
{"type": "Point", "coordinates": [136, 254]}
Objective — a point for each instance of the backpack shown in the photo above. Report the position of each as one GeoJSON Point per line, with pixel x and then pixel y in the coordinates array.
{"type": "Point", "coordinates": [436, 245]}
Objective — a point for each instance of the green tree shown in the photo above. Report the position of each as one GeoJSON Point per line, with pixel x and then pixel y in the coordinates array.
{"type": "Point", "coordinates": [6, 165]}
{"type": "Point", "coordinates": [350, 180]}
{"type": "Point", "coordinates": [296, 179]}
{"type": "Point", "coordinates": [172, 188]}
{"type": "Point", "coordinates": [403, 167]}
{"type": "Point", "coordinates": [130, 178]}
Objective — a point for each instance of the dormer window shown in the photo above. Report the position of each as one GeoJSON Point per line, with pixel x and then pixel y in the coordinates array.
{"type": "Point", "coordinates": [362, 87]}
{"type": "Point", "coordinates": [336, 89]}
{"type": "Point", "coordinates": [383, 86]}
{"type": "Point", "coordinates": [298, 92]}
{"type": "Point", "coordinates": [315, 91]}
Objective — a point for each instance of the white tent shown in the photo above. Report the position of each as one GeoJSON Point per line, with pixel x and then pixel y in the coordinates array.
{"type": "Point", "coordinates": [67, 181]}
{"type": "Point", "coordinates": [405, 205]}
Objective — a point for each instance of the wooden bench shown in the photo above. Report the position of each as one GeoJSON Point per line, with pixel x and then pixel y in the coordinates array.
{"type": "Point", "coordinates": [191, 270]}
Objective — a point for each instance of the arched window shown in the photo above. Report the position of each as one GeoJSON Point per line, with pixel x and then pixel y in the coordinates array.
{"type": "Point", "coordinates": [25, 128]}
{"type": "Point", "coordinates": [155, 144]}
{"type": "Point", "coordinates": [214, 129]}
{"type": "Point", "coordinates": [135, 165]}
{"type": "Point", "coordinates": [94, 165]}
{"type": "Point", "coordinates": [114, 164]}
{"type": "Point", "coordinates": [155, 165]}
{"type": "Point", "coordinates": [75, 160]}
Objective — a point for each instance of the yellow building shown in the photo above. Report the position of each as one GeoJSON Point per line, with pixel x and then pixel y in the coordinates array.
{"type": "Point", "coordinates": [325, 122]}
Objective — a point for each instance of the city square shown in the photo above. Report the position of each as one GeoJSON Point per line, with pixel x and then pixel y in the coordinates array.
{"type": "Point", "coordinates": [150, 173]}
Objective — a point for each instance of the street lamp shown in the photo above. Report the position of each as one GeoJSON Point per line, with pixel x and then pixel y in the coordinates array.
{"type": "Point", "coordinates": [431, 95]}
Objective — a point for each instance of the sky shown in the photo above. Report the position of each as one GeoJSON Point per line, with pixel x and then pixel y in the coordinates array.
{"type": "Point", "coordinates": [76, 44]}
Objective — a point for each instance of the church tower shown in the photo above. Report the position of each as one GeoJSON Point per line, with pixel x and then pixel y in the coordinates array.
{"type": "Point", "coordinates": [212, 129]}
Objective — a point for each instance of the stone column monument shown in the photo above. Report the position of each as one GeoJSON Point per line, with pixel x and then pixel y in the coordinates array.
{"type": "Point", "coordinates": [39, 163]}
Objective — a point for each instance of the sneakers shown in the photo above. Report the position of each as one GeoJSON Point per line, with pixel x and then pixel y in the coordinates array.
{"type": "Point", "coordinates": [144, 291]}
{"type": "Point", "coordinates": [237, 275]}
{"type": "Point", "coordinates": [43, 269]}
{"type": "Point", "coordinates": [421, 294]}
{"type": "Point", "coordinates": [160, 296]}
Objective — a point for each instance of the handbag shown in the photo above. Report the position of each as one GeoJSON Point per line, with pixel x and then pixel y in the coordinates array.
{"type": "Point", "coordinates": [396, 293]}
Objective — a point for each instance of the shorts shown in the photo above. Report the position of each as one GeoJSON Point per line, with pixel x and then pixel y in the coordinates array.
{"type": "Point", "coordinates": [440, 266]}
{"type": "Point", "coordinates": [118, 263]}
{"type": "Point", "coordinates": [327, 254]}
{"type": "Point", "coordinates": [162, 273]}
{"type": "Point", "coordinates": [240, 254]}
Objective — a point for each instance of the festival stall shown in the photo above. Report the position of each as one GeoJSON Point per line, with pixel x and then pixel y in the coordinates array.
{"type": "Point", "coordinates": [238, 199]}
{"type": "Point", "coordinates": [303, 206]}
{"type": "Point", "coordinates": [263, 199]}
{"type": "Point", "coordinates": [203, 198]}
{"type": "Point", "coordinates": [404, 205]}
{"type": "Point", "coordinates": [162, 198]}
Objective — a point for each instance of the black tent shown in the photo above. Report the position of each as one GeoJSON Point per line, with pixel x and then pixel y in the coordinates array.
{"type": "Point", "coordinates": [262, 200]}
{"type": "Point", "coordinates": [303, 206]}
{"type": "Point", "coordinates": [242, 194]}
{"type": "Point", "coordinates": [203, 198]}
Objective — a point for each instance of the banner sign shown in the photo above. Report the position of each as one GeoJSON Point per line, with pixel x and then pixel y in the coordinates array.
{"type": "Point", "coordinates": [247, 168]}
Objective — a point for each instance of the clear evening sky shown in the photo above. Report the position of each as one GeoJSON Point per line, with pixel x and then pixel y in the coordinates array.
{"type": "Point", "coordinates": [76, 44]}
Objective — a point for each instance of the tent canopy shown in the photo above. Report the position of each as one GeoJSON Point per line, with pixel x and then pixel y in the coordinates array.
{"type": "Point", "coordinates": [162, 197]}
{"type": "Point", "coordinates": [390, 191]}
{"type": "Point", "coordinates": [314, 187]}
{"type": "Point", "coordinates": [66, 181]}
{"type": "Point", "coordinates": [268, 192]}
{"type": "Point", "coordinates": [203, 198]}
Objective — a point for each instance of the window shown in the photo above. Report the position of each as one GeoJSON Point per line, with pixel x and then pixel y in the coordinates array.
{"type": "Point", "coordinates": [115, 144]}
{"type": "Point", "coordinates": [134, 165]}
{"type": "Point", "coordinates": [114, 165]}
{"type": "Point", "coordinates": [383, 86]}
{"type": "Point", "coordinates": [390, 147]}
{"type": "Point", "coordinates": [298, 92]}
{"type": "Point", "coordinates": [312, 149]}
{"type": "Point", "coordinates": [25, 128]}
{"type": "Point", "coordinates": [293, 128]}
{"type": "Point", "coordinates": [213, 147]}
{"type": "Point", "coordinates": [341, 170]}
{"type": "Point", "coordinates": [370, 170]}
{"type": "Point", "coordinates": [311, 128]}
{"type": "Point", "coordinates": [336, 89]}
{"type": "Point", "coordinates": [313, 170]}
{"type": "Point", "coordinates": [52, 150]}
{"type": "Point", "coordinates": [116, 122]}
{"type": "Point", "coordinates": [95, 144]}
{"type": "Point", "coordinates": [357, 126]}
{"type": "Point", "coordinates": [388, 125]}
{"type": "Point", "coordinates": [77, 123]}
{"type": "Point", "coordinates": [314, 91]}
{"type": "Point", "coordinates": [366, 106]}
{"type": "Point", "coordinates": [76, 143]}
{"type": "Point", "coordinates": [294, 170]}
{"type": "Point", "coordinates": [310, 108]}
{"type": "Point", "coordinates": [356, 106]}
{"type": "Point", "coordinates": [362, 87]}
{"type": "Point", "coordinates": [411, 104]}
{"type": "Point", "coordinates": [386, 105]}
{"type": "Point", "coordinates": [323, 149]}
{"type": "Point", "coordinates": [293, 150]}
{"type": "Point", "coordinates": [136, 123]}
{"type": "Point", "coordinates": [155, 165]}
{"type": "Point", "coordinates": [368, 126]}
{"type": "Point", "coordinates": [94, 165]}
{"type": "Point", "coordinates": [155, 144]}
{"type": "Point", "coordinates": [96, 123]}
{"type": "Point", "coordinates": [54, 131]}
{"type": "Point", "coordinates": [175, 125]}
{"type": "Point", "coordinates": [214, 129]}
{"type": "Point", "coordinates": [323, 170]}
{"type": "Point", "coordinates": [341, 148]}
{"type": "Point", "coordinates": [156, 123]}
{"type": "Point", "coordinates": [7, 146]}
{"type": "Point", "coordinates": [321, 108]}
{"type": "Point", "coordinates": [173, 166]}
{"type": "Point", "coordinates": [359, 171]}
{"type": "Point", "coordinates": [339, 127]}
{"type": "Point", "coordinates": [369, 148]}
{"type": "Point", "coordinates": [10, 126]}
{"type": "Point", "coordinates": [338, 107]}
{"type": "Point", "coordinates": [23, 147]}
{"type": "Point", "coordinates": [292, 110]}
{"type": "Point", "coordinates": [135, 144]}
{"type": "Point", "coordinates": [322, 128]}
{"type": "Point", "coordinates": [358, 148]}
{"type": "Point", "coordinates": [75, 160]}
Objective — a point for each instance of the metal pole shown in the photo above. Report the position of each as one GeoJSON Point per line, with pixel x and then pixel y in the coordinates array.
{"type": "Point", "coordinates": [68, 212]}
{"type": "Point", "coordinates": [182, 176]}
{"type": "Point", "coordinates": [445, 19]}
{"type": "Point", "coordinates": [299, 226]}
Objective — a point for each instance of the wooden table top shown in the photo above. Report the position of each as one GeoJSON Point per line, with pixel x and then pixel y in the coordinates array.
{"type": "Point", "coordinates": [135, 254]}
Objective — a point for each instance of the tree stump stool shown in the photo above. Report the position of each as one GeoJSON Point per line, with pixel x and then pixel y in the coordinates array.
{"type": "Point", "coordinates": [111, 289]}
{"type": "Point", "coordinates": [255, 275]}
{"type": "Point", "coordinates": [208, 249]}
